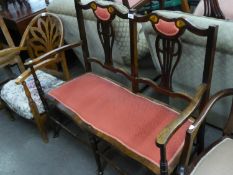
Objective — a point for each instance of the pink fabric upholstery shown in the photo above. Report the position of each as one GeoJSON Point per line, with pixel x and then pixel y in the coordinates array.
{"type": "Point", "coordinates": [102, 13]}
{"type": "Point", "coordinates": [166, 28]}
{"type": "Point", "coordinates": [131, 119]}
{"type": "Point", "coordinates": [226, 7]}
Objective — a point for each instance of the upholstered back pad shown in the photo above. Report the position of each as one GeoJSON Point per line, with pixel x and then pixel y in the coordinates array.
{"type": "Point", "coordinates": [191, 62]}
{"type": "Point", "coordinates": [121, 49]}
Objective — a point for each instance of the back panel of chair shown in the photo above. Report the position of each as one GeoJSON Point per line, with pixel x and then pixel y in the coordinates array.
{"type": "Point", "coordinates": [191, 133]}
{"type": "Point", "coordinates": [6, 33]}
{"type": "Point", "coordinates": [168, 47]}
{"type": "Point", "coordinates": [43, 34]}
{"type": "Point", "coordinates": [105, 14]}
{"type": "Point", "coordinates": [212, 9]}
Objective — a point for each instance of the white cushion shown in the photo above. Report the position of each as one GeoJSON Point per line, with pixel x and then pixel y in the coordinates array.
{"type": "Point", "coordinates": [218, 161]}
{"type": "Point", "coordinates": [14, 95]}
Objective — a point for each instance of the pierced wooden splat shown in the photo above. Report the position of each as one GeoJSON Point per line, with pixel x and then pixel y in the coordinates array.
{"type": "Point", "coordinates": [168, 46]}
{"type": "Point", "coordinates": [106, 35]}
{"type": "Point", "coordinates": [212, 9]}
{"type": "Point", "coordinates": [168, 53]}
{"type": "Point", "coordinates": [43, 36]}
{"type": "Point", "coordinates": [105, 15]}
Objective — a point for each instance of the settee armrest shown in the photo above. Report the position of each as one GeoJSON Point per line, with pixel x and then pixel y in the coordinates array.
{"type": "Point", "coordinates": [169, 130]}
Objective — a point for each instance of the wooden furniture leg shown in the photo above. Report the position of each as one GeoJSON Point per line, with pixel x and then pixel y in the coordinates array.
{"type": "Point", "coordinates": [185, 6]}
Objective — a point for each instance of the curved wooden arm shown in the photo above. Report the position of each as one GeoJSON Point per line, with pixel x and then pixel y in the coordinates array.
{"type": "Point", "coordinates": [208, 106]}
{"type": "Point", "coordinates": [167, 132]}
{"type": "Point", "coordinates": [43, 61]}
{"type": "Point", "coordinates": [52, 53]}
{"type": "Point", "coordinates": [27, 72]}
{"type": "Point", "coordinates": [193, 129]}
{"type": "Point", "coordinates": [11, 50]}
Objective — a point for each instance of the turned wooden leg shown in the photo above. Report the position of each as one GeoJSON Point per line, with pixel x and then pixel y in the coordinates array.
{"type": "Point", "coordinates": [94, 146]}
{"type": "Point", "coordinates": [163, 161]}
{"type": "Point", "coordinates": [41, 124]}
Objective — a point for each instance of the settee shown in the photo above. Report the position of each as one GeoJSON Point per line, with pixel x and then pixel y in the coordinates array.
{"type": "Point", "coordinates": [121, 48]}
{"type": "Point", "coordinates": [190, 63]}
{"type": "Point", "coordinates": [193, 53]}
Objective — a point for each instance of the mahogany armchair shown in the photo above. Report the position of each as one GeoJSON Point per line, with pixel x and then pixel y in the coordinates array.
{"type": "Point", "coordinates": [43, 40]}
{"type": "Point", "coordinates": [221, 9]}
{"type": "Point", "coordinates": [123, 117]}
{"type": "Point", "coordinates": [217, 158]}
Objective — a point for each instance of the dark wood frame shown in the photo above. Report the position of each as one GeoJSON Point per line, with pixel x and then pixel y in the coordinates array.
{"type": "Point", "coordinates": [106, 35]}
{"type": "Point", "coordinates": [202, 94]}
{"type": "Point", "coordinates": [212, 9]}
{"type": "Point", "coordinates": [186, 166]}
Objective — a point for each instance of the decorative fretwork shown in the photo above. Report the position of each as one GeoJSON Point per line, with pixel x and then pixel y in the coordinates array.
{"type": "Point", "coordinates": [212, 9]}
{"type": "Point", "coordinates": [43, 36]}
{"type": "Point", "coordinates": [106, 35]}
{"type": "Point", "coordinates": [168, 53]}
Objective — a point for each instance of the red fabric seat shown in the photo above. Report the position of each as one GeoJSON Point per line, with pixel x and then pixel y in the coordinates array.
{"type": "Point", "coordinates": [131, 119]}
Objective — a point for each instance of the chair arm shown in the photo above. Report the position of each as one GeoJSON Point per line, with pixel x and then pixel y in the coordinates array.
{"type": "Point", "coordinates": [171, 128]}
{"type": "Point", "coordinates": [43, 61]}
{"type": "Point", "coordinates": [193, 129]}
{"type": "Point", "coordinates": [52, 53]}
{"type": "Point", "coordinates": [208, 106]}
{"type": "Point", "coordinates": [15, 50]}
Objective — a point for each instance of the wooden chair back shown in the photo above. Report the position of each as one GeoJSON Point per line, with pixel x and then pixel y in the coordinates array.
{"type": "Point", "coordinates": [212, 9]}
{"type": "Point", "coordinates": [104, 14]}
{"type": "Point", "coordinates": [6, 33]}
{"type": "Point", "coordinates": [192, 132]}
{"type": "Point", "coordinates": [43, 34]}
{"type": "Point", "coordinates": [168, 46]}
{"type": "Point", "coordinates": [9, 58]}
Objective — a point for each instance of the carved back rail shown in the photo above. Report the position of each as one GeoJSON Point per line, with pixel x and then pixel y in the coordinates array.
{"type": "Point", "coordinates": [43, 34]}
{"type": "Point", "coordinates": [105, 14]}
{"type": "Point", "coordinates": [168, 47]}
{"type": "Point", "coordinates": [212, 9]}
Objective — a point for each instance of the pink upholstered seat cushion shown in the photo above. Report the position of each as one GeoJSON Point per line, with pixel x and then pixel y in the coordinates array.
{"type": "Point", "coordinates": [225, 6]}
{"type": "Point", "coordinates": [131, 119]}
